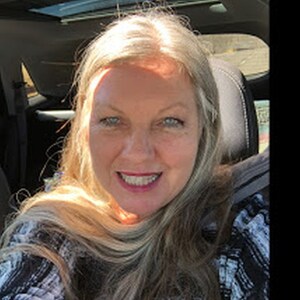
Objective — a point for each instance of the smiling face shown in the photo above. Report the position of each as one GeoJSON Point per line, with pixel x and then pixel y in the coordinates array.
{"type": "Point", "coordinates": [143, 135]}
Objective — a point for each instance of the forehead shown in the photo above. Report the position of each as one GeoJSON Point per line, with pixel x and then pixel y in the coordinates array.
{"type": "Point", "coordinates": [143, 79]}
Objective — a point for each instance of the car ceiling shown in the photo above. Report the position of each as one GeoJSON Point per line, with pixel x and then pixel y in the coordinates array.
{"type": "Point", "coordinates": [48, 46]}
{"type": "Point", "coordinates": [25, 4]}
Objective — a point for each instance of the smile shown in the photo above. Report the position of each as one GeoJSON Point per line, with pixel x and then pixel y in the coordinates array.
{"type": "Point", "coordinates": [139, 180]}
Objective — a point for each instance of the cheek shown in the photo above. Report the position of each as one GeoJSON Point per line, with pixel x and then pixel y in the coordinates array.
{"type": "Point", "coordinates": [180, 155]}
{"type": "Point", "coordinates": [179, 159]}
{"type": "Point", "coordinates": [102, 153]}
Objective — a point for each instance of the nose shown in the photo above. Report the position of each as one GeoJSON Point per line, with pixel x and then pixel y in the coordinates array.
{"type": "Point", "coordinates": [138, 146]}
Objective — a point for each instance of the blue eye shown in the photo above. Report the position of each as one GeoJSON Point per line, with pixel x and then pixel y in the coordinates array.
{"type": "Point", "coordinates": [110, 122]}
{"type": "Point", "coordinates": [173, 122]}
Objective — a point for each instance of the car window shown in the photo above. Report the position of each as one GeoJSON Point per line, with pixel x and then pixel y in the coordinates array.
{"type": "Point", "coordinates": [84, 8]}
{"type": "Point", "coordinates": [249, 53]}
{"type": "Point", "coordinates": [76, 7]}
{"type": "Point", "coordinates": [29, 85]}
{"type": "Point", "coordinates": [263, 116]}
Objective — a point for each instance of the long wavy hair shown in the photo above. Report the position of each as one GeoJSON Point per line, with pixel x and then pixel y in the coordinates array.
{"type": "Point", "coordinates": [169, 254]}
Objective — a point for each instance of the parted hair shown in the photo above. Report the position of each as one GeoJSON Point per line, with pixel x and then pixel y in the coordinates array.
{"type": "Point", "coordinates": [167, 254]}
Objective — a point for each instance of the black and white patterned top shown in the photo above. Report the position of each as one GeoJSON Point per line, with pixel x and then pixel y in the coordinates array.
{"type": "Point", "coordinates": [243, 263]}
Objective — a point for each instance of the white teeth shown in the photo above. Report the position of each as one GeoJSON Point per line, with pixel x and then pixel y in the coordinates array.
{"type": "Point", "coordinates": [139, 180]}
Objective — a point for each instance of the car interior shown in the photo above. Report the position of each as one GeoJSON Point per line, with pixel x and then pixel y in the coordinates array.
{"type": "Point", "coordinates": [40, 50]}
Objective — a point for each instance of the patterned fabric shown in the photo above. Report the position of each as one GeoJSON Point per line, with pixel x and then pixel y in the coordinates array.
{"type": "Point", "coordinates": [243, 262]}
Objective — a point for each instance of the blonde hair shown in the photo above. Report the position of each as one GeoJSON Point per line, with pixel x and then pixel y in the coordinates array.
{"type": "Point", "coordinates": [167, 254]}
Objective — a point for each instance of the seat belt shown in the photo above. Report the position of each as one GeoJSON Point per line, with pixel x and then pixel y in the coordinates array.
{"type": "Point", "coordinates": [251, 175]}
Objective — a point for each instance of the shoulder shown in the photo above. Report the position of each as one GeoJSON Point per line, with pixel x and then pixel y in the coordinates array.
{"type": "Point", "coordinates": [244, 260]}
{"type": "Point", "coordinates": [28, 276]}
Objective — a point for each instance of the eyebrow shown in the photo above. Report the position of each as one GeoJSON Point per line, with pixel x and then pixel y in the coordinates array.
{"type": "Point", "coordinates": [173, 105]}
{"type": "Point", "coordinates": [108, 106]}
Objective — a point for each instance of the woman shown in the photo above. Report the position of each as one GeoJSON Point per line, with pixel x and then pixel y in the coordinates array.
{"type": "Point", "coordinates": [142, 209]}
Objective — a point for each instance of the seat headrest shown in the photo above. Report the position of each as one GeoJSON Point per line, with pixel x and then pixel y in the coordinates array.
{"type": "Point", "coordinates": [237, 109]}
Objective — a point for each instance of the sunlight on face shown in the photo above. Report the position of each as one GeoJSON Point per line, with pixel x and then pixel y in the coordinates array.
{"type": "Point", "coordinates": [143, 134]}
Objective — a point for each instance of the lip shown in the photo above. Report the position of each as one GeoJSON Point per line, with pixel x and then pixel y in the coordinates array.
{"type": "Point", "coordinates": [138, 188]}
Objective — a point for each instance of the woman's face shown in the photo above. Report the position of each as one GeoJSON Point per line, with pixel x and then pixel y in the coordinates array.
{"type": "Point", "coordinates": [143, 135]}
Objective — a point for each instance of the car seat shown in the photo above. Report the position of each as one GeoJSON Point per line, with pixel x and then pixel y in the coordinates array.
{"type": "Point", "coordinates": [240, 132]}
{"type": "Point", "coordinates": [237, 109]}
